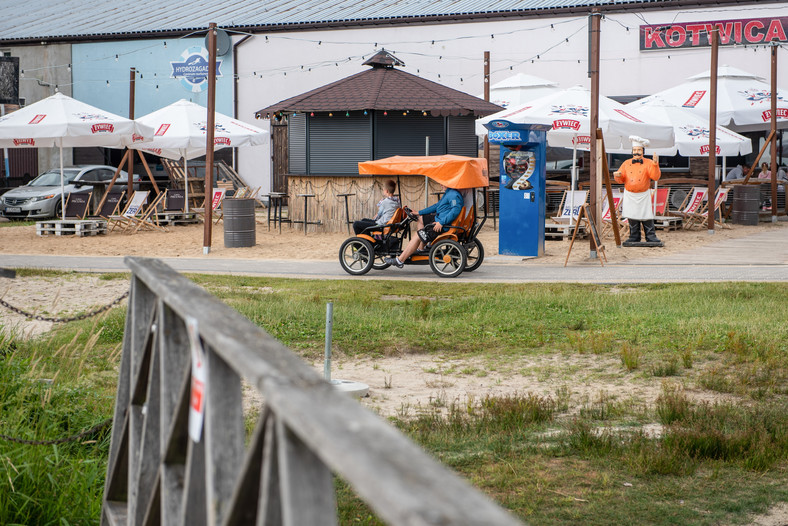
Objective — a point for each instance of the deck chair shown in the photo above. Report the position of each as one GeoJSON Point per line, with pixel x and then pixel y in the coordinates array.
{"type": "Point", "coordinates": [660, 201]}
{"type": "Point", "coordinates": [147, 219]}
{"type": "Point", "coordinates": [132, 208]}
{"type": "Point", "coordinates": [607, 221]}
{"type": "Point", "coordinates": [216, 202]}
{"type": "Point", "coordinates": [175, 201]}
{"type": "Point", "coordinates": [570, 206]}
{"type": "Point", "coordinates": [691, 204]}
{"type": "Point", "coordinates": [77, 205]}
{"type": "Point", "coordinates": [701, 218]}
{"type": "Point", "coordinates": [111, 205]}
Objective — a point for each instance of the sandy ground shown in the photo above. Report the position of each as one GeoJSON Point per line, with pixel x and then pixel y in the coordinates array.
{"type": "Point", "coordinates": [187, 241]}
{"type": "Point", "coordinates": [399, 385]}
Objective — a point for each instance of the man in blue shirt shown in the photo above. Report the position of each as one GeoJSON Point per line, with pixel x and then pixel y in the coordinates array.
{"type": "Point", "coordinates": [436, 218]}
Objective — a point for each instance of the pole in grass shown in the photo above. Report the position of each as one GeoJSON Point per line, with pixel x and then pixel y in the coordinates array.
{"type": "Point", "coordinates": [356, 389]}
{"type": "Point", "coordinates": [329, 328]}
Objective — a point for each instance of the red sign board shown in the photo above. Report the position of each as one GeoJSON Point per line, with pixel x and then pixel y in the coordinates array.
{"type": "Point", "coordinates": [696, 34]}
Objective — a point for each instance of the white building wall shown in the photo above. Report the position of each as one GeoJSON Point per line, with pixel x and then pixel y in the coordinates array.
{"type": "Point", "coordinates": [288, 64]}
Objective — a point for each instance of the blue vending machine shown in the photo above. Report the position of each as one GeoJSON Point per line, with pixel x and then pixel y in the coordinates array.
{"type": "Point", "coordinates": [522, 186]}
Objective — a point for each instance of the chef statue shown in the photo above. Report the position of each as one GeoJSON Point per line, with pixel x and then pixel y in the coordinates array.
{"type": "Point", "coordinates": [636, 174]}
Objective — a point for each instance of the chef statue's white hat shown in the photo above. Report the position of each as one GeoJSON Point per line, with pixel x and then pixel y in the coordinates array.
{"type": "Point", "coordinates": [638, 141]}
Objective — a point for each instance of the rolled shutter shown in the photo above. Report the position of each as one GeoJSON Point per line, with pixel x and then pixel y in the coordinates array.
{"type": "Point", "coordinates": [296, 143]}
{"type": "Point", "coordinates": [337, 144]}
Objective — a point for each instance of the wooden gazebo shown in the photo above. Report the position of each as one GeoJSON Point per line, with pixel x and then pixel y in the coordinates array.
{"type": "Point", "coordinates": [320, 137]}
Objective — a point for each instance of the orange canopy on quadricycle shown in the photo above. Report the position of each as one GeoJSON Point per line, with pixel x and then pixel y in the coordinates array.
{"type": "Point", "coordinates": [453, 171]}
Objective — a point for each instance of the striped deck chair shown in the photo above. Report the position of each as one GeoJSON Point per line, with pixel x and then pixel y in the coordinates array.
{"type": "Point", "coordinates": [132, 208]}
{"type": "Point", "coordinates": [147, 219]}
{"type": "Point", "coordinates": [692, 203]}
{"type": "Point", "coordinates": [701, 218]}
{"type": "Point", "coordinates": [218, 197]}
{"type": "Point", "coordinates": [570, 206]}
{"type": "Point", "coordinates": [607, 222]}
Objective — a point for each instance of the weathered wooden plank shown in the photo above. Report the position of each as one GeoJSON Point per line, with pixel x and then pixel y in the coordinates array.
{"type": "Point", "coordinates": [136, 424]}
{"type": "Point", "coordinates": [114, 513]}
{"type": "Point", "coordinates": [172, 477]}
{"type": "Point", "coordinates": [270, 506]}
{"type": "Point", "coordinates": [194, 508]}
{"type": "Point", "coordinates": [242, 506]}
{"type": "Point", "coordinates": [153, 509]}
{"type": "Point", "coordinates": [116, 481]}
{"type": "Point", "coordinates": [306, 484]}
{"type": "Point", "coordinates": [223, 434]}
{"type": "Point", "coordinates": [176, 437]}
{"type": "Point", "coordinates": [150, 450]}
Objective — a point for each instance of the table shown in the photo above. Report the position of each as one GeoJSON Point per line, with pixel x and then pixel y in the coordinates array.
{"type": "Point", "coordinates": [347, 210]}
{"type": "Point", "coordinates": [306, 221]}
{"type": "Point", "coordinates": [277, 201]}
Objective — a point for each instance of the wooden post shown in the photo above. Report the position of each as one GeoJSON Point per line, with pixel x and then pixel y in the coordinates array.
{"type": "Point", "coordinates": [209, 134]}
{"type": "Point", "coordinates": [114, 178]}
{"type": "Point", "coordinates": [130, 160]}
{"type": "Point", "coordinates": [593, 73]}
{"type": "Point", "coordinates": [486, 138]}
{"type": "Point", "coordinates": [714, 36]}
{"type": "Point", "coordinates": [609, 190]}
{"type": "Point", "coordinates": [774, 132]}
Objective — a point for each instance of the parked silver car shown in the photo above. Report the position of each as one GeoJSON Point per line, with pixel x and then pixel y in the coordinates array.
{"type": "Point", "coordinates": [40, 198]}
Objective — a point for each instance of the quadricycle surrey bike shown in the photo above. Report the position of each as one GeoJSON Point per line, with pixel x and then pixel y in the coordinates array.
{"type": "Point", "coordinates": [448, 255]}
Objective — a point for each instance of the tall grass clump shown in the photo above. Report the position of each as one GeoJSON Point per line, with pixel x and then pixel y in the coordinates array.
{"type": "Point", "coordinates": [489, 415]}
{"type": "Point", "coordinates": [49, 484]}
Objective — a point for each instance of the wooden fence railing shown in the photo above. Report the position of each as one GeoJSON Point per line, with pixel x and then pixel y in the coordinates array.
{"type": "Point", "coordinates": [306, 432]}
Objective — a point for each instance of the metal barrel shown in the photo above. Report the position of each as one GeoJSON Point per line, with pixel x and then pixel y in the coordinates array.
{"type": "Point", "coordinates": [746, 201]}
{"type": "Point", "coordinates": [239, 223]}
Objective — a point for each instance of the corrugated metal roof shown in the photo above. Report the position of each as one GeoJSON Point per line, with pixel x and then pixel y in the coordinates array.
{"type": "Point", "coordinates": [71, 19]}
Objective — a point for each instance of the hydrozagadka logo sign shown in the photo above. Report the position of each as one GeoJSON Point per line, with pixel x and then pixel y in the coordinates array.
{"type": "Point", "coordinates": [192, 69]}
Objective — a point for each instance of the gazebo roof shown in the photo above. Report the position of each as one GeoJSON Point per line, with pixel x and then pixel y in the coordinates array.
{"type": "Point", "coordinates": [383, 87]}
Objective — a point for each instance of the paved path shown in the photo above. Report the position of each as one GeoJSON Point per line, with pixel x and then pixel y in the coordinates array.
{"type": "Point", "coordinates": [759, 257]}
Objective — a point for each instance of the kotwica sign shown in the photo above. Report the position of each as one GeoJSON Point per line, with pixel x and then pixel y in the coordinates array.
{"type": "Point", "coordinates": [696, 34]}
{"type": "Point", "coordinates": [192, 70]}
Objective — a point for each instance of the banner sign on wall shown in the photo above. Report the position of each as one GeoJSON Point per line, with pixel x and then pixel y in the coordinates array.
{"type": "Point", "coordinates": [192, 69]}
{"type": "Point", "coordinates": [696, 34]}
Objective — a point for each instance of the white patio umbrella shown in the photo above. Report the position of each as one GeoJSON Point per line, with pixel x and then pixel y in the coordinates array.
{"type": "Point", "coordinates": [568, 112]}
{"type": "Point", "coordinates": [180, 130]}
{"type": "Point", "coordinates": [691, 132]}
{"type": "Point", "coordinates": [64, 122]}
{"type": "Point", "coordinates": [517, 90]}
{"type": "Point", "coordinates": [743, 99]}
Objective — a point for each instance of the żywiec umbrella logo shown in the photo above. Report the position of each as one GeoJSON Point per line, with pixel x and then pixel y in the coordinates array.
{"type": "Point", "coordinates": [91, 116]}
{"type": "Point", "coordinates": [218, 127]}
{"type": "Point", "coordinates": [695, 131]}
{"type": "Point", "coordinates": [193, 69]}
{"type": "Point", "coordinates": [24, 142]}
{"type": "Point", "coordinates": [580, 111]}
{"type": "Point", "coordinates": [758, 95]}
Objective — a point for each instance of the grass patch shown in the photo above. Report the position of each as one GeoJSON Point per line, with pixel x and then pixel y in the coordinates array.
{"type": "Point", "coordinates": [551, 459]}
